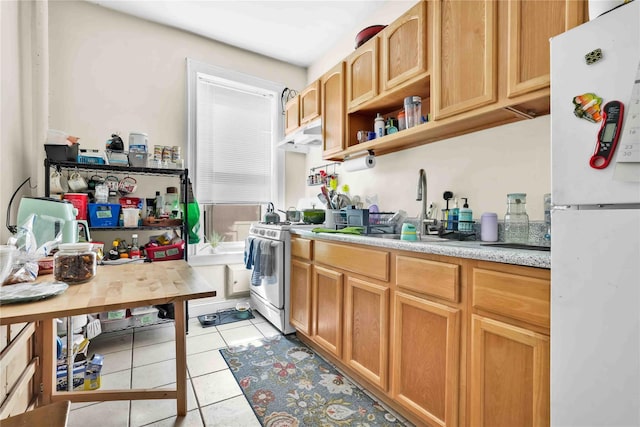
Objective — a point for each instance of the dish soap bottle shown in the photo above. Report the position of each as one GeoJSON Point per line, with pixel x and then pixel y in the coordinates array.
{"type": "Point", "coordinates": [378, 126]}
{"type": "Point", "coordinates": [516, 220]}
{"type": "Point", "coordinates": [465, 217]}
{"type": "Point", "coordinates": [454, 217]}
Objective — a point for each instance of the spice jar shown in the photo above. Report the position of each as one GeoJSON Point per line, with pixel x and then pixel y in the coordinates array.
{"type": "Point", "coordinates": [74, 263]}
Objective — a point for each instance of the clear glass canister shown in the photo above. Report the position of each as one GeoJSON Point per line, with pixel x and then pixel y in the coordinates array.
{"type": "Point", "coordinates": [74, 263]}
{"type": "Point", "coordinates": [516, 220]}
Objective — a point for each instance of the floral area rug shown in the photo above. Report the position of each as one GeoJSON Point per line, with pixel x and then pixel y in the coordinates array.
{"type": "Point", "coordinates": [288, 385]}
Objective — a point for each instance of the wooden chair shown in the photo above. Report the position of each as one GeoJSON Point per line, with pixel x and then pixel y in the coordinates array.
{"type": "Point", "coordinates": [52, 415]}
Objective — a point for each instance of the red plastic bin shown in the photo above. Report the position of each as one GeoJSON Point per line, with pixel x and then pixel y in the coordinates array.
{"type": "Point", "coordinates": [165, 253]}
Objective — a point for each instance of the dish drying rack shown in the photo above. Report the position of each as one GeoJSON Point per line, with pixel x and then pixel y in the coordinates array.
{"type": "Point", "coordinates": [372, 222]}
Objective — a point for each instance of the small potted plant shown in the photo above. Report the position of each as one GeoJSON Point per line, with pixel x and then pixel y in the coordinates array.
{"type": "Point", "coordinates": [214, 240]}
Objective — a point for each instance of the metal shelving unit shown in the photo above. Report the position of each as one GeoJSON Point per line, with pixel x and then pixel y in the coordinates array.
{"type": "Point", "coordinates": [183, 174]}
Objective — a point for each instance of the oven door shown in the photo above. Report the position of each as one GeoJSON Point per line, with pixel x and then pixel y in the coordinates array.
{"type": "Point", "coordinates": [272, 291]}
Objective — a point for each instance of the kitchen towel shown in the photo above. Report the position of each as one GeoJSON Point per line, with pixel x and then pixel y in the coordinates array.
{"type": "Point", "coordinates": [346, 230]}
{"type": "Point", "coordinates": [359, 163]}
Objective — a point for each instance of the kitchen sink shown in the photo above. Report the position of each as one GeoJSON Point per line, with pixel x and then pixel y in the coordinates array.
{"type": "Point", "coordinates": [397, 237]}
{"type": "Point", "coordinates": [518, 246]}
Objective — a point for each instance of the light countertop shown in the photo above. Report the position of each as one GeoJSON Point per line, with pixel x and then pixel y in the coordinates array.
{"type": "Point", "coordinates": [461, 249]}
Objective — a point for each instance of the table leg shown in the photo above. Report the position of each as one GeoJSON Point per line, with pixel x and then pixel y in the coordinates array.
{"type": "Point", "coordinates": [48, 361]}
{"type": "Point", "coordinates": [181, 357]}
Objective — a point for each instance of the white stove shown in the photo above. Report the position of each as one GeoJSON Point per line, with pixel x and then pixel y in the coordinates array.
{"type": "Point", "coordinates": [270, 295]}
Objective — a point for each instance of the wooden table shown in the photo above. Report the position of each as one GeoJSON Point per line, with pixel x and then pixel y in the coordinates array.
{"type": "Point", "coordinates": [115, 287]}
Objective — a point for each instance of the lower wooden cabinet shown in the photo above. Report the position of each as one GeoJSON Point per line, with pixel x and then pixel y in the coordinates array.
{"type": "Point", "coordinates": [366, 336]}
{"type": "Point", "coordinates": [300, 294]}
{"type": "Point", "coordinates": [509, 375]}
{"type": "Point", "coordinates": [425, 358]}
{"type": "Point", "coordinates": [327, 309]}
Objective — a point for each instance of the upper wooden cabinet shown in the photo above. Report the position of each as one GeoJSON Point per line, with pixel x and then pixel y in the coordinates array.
{"type": "Point", "coordinates": [333, 110]}
{"type": "Point", "coordinates": [404, 48]}
{"type": "Point", "coordinates": [362, 74]}
{"type": "Point", "coordinates": [464, 56]}
{"type": "Point", "coordinates": [310, 103]}
{"type": "Point", "coordinates": [530, 25]}
{"type": "Point", "coordinates": [292, 115]}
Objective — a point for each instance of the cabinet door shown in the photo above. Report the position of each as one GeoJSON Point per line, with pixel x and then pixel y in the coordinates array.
{"type": "Point", "coordinates": [366, 338]}
{"type": "Point", "coordinates": [509, 375]}
{"type": "Point", "coordinates": [465, 59]}
{"type": "Point", "coordinates": [404, 47]}
{"type": "Point", "coordinates": [310, 103]}
{"type": "Point", "coordinates": [333, 110]}
{"type": "Point", "coordinates": [292, 115]}
{"type": "Point", "coordinates": [327, 309]}
{"type": "Point", "coordinates": [426, 358]}
{"type": "Point", "coordinates": [362, 74]}
{"type": "Point", "coordinates": [300, 316]}
{"type": "Point", "coordinates": [530, 26]}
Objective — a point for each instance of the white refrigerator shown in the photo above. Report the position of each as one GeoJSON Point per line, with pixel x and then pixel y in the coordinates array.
{"type": "Point", "coordinates": [595, 231]}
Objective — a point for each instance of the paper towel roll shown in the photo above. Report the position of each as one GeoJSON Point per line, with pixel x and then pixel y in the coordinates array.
{"type": "Point", "coordinates": [359, 163]}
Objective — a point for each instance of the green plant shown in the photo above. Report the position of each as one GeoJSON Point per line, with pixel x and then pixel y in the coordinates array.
{"type": "Point", "coordinates": [215, 239]}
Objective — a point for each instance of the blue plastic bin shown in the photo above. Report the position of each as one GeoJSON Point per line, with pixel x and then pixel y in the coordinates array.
{"type": "Point", "coordinates": [103, 214]}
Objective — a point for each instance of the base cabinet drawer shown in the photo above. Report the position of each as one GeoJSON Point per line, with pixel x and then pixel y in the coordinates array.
{"type": "Point", "coordinates": [368, 262]}
{"type": "Point", "coordinates": [439, 279]}
{"type": "Point", "coordinates": [513, 295]}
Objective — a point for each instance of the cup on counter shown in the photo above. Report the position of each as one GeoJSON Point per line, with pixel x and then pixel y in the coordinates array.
{"type": "Point", "coordinates": [489, 227]}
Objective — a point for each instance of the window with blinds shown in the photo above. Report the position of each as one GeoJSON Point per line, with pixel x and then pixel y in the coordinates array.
{"type": "Point", "coordinates": [234, 121]}
{"type": "Point", "coordinates": [234, 140]}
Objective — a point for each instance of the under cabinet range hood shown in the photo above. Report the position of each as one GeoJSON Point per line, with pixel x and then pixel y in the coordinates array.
{"type": "Point", "coordinates": [300, 140]}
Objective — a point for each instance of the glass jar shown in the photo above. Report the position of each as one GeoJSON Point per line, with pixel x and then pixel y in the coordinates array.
{"type": "Point", "coordinates": [413, 111]}
{"type": "Point", "coordinates": [516, 220]}
{"type": "Point", "coordinates": [74, 263]}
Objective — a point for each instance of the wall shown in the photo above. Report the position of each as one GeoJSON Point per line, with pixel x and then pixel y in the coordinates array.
{"type": "Point", "coordinates": [483, 166]}
{"type": "Point", "coordinates": [111, 72]}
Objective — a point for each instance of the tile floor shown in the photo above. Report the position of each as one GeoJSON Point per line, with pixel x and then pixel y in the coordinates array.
{"type": "Point", "coordinates": [145, 358]}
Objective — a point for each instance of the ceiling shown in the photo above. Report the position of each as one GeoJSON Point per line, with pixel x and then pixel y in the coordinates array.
{"type": "Point", "coordinates": [294, 31]}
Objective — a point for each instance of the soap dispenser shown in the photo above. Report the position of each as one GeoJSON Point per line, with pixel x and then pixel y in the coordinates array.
{"type": "Point", "coordinates": [465, 217]}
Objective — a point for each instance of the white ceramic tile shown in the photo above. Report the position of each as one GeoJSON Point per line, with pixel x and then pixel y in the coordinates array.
{"type": "Point", "coordinates": [154, 375]}
{"type": "Point", "coordinates": [153, 353]}
{"type": "Point", "coordinates": [115, 381]}
{"type": "Point", "coordinates": [195, 328]}
{"type": "Point", "coordinates": [153, 335]}
{"type": "Point", "coordinates": [114, 362]}
{"type": "Point", "coordinates": [111, 342]}
{"type": "Point", "coordinates": [267, 329]}
{"type": "Point", "coordinates": [215, 387]}
{"type": "Point", "coordinates": [205, 363]}
{"type": "Point", "coordinates": [258, 318]}
{"type": "Point", "coordinates": [234, 325]}
{"type": "Point", "coordinates": [206, 342]}
{"type": "Point", "coordinates": [234, 412]}
{"type": "Point", "coordinates": [192, 419]}
{"type": "Point", "coordinates": [144, 412]}
{"type": "Point", "coordinates": [241, 335]}
{"type": "Point", "coordinates": [109, 414]}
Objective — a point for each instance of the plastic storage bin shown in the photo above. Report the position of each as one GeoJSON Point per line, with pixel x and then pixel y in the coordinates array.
{"type": "Point", "coordinates": [165, 253]}
{"type": "Point", "coordinates": [103, 214]}
{"type": "Point", "coordinates": [143, 316]}
{"type": "Point", "coordinates": [61, 153]}
{"type": "Point", "coordinates": [137, 160]}
{"type": "Point", "coordinates": [115, 325]}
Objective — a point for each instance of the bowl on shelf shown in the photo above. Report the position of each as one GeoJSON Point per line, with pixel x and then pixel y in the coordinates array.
{"type": "Point", "coordinates": [366, 34]}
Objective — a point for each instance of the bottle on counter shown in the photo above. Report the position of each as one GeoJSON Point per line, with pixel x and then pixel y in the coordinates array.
{"type": "Point", "coordinates": [516, 220]}
{"type": "Point", "coordinates": [159, 205]}
{"type": "Point", "coordinates": [454, 217]}
{"type": "Point", "coordinates": [113, 252]}
{"type": "Point", "coordinates": [123, 249]}
{"type": "Point", "coordinates": [465, 217]}
{"type": "Point", "coordinates": [134, 252]}
{"type": "Point", "coordinates": [378, 126]}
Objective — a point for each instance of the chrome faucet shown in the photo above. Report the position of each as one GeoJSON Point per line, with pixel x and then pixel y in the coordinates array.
{"type": "Point", "coordinates": [425, 220]}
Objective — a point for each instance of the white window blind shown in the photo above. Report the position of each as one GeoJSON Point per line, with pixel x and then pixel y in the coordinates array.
{"type": "Point", "coordinates": [235, 130]}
